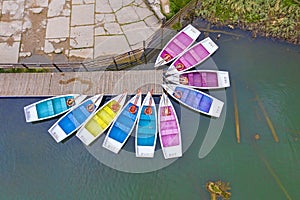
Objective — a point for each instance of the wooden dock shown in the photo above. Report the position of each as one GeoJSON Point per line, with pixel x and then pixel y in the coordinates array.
{"type": "Point", "coordinates": [89, 83]}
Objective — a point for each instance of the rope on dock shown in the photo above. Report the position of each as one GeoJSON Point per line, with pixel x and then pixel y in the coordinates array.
{"type": "Point", "coordinates": [269, 122]}
{"type": "Point", "coordinates": [236, 114]}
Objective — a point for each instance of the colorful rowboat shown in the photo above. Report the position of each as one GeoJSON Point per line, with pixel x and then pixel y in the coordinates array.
{"type": "Point", "coordinates": [169, 130]}
{"type": "Point", "coordinates": [180, 42]}
{"type": "Point", "coordinates": [72, 120]}
{"type": "Point", "coordinates": [193, 56]}
{"type": "Point", "coordinates": [146, 131]}
{"type": "Point", "coordinates": [122, 127]}
{"type": "Point", "coordinates": [195, 99]}
{"type": "Point", "coordinates": [99, 122]}
{"type": "Point", "coordinates": [201, 79]}
{"type": "Point", "coordinates": [51, 107]}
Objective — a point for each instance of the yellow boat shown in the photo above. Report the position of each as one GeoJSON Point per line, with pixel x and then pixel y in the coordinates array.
{"type": "Point", "coordinates": [96, 124]}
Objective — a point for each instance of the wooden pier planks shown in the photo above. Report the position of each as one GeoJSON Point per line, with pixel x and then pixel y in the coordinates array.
{"type": "Point", "coordinates": [89, 83]}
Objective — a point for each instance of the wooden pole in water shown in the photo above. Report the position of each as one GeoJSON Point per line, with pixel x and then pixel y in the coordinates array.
{"type": "Point", "coordinates": [236, 114]}
{"type": "Point", "coordinates": [269, 122]}
{"type": "Point", "coordinates": [272, 172]}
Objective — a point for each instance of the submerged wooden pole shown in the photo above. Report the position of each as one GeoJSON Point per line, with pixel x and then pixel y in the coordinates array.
{"type": "Point", "coordinates": [269, 122]}
{"type": "Point", "coordinates": [273, 173]}
{"type": "Point", "coordinates": [236, 114]}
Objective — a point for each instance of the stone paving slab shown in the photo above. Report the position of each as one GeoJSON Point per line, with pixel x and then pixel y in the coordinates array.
{"type": "Point", "coordinates": [77, 29]}
{"type": "Point", "coordinates": [82, 14]}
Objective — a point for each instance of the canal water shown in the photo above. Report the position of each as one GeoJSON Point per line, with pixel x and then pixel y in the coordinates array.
{"type": "Point", "coordinates": [264, 78]}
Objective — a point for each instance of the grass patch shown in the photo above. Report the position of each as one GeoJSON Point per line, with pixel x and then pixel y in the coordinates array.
{"type": "Point", "coordinates": [175, 6]}
{"type": "Point", "coordinates": [23, 70]}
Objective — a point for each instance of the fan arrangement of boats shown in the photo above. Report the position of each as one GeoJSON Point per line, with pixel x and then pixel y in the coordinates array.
{"type": "Point", "coordinates": [119, 119]}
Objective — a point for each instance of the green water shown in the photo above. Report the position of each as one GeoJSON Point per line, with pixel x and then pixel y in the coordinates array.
{"type": "Point", "coordinates": [34, 166]}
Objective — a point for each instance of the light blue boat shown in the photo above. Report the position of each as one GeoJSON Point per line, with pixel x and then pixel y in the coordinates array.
{"type": "Point", "coordinates": [146, 132]}
{"type": "Point", "coordinates": [122, 127]}
{"type": "Point", "coordinates": [72, 120]}
{"type": "Point", "coordinates": [51, 107]}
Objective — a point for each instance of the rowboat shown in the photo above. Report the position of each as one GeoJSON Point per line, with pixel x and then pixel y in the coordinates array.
{"type": "Point", "coordinates": [180, 42]}
{"type": "Point", "coordinates": [99, 122]}
{"type": "Point", "coordinates": [201, 79]}
{"type": "Point", "coordinates": [51, 107]}
{"type": "Point", "coordinates": [169, 130]}
{"type": "Point", "coordinates": [195, 99]}
{"type": "Point", "coordinates": [73, 119]}
{"type": "Point", "coordinates": [122, 127]}
{"type": "Point", "coordinates": [193, 56]}
{"type": "Point", "coordinates": [146, 131]}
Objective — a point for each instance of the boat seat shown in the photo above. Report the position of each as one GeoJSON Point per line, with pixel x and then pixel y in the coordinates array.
{"type": "Point", "coordinates": [59, 105]}
{"type": "Point", "coordinates": [203, 79]}
{"type": "Point", "coordinates": [145, 141]}
{"type": "Point", "coordinates": [117, 134]}
{"type": "Point", "coordinates": [68, 124]}
{"type": "Point", "coordinates": [146, 130]}
{"type": "Point", "coordinates": [99, 121]}
{"type": "Point", "coordinates": [169, 131]}
{"type": "Point", "coordinates": [95, 126]}
{"type": "Point", "coordinates": [168, 124]}
{"type": "Point", "coordinates": [167, 118]}
{"type": "Point", "coordinates": [205, 104]}
{"type": "Point", "coordinates": [201, 52]}
{"type": "Point", "coordinates": [105, 116]}
{"type": "Point", "coordinates": [195, 55]}
{"type": "Point", "coordinates": [212, 79]}
{"type": "Point", "coordinates": [122, 127]}
{"type": "Point", "coordinates": [179, 43]}
{"type": "Point", "coordinates": [45, 109]}
{"type": "Point", "coordinates": [109, 111]}
{"type": "Point", "coordinates": [170, 140]}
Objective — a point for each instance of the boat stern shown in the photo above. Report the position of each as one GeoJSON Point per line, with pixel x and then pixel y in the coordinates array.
{"type": "Point", "coordinates": [223, 79]}
{"type": "Point", "coordinates": [30, 113]}
{"type": "Point", "coordinates": [209, 45]}
{"type": "Point", "coordinates": [112, 145]}
{"type": "Point", "coordinates": [85, 136]}
{"type": "Point", "coordinates": [57, 133]}
{"type": "Point", "coordinates": [144, 151]}
{"type": "Point", "coordinates": [172, 152]}
{"type": "Point", "coordinates": [216, 108]}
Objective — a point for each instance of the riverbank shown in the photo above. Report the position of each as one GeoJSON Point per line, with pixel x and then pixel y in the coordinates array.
{"type": "Point", "coordinates": [277, 19]}
{"type": "Point", "coordinates": [274, 18]}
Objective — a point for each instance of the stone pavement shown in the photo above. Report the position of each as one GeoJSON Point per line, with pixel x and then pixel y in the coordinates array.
{"type": "Point", "coordinates": [72, 30]}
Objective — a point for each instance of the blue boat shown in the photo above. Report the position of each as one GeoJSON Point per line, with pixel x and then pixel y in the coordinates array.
{"type": "Point", "coordinates": [122, 127]}
{"type": "Point", "coordinates": [146, 131]}
{"type": "Point", "coordinates": [51, 107]}
{"type": "Point", "coordinates": [72, 120]}
{"type": "Point", "coordinates": [195, 99]}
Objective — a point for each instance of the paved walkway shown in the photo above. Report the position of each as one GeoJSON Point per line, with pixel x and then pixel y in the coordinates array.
{"type": "Point", "coordinates": [69, 30]}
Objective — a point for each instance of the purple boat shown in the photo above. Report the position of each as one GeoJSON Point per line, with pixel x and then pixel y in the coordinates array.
{"type": "Point", "coordinates": [169, 129]}
{"type": "Point", "coordinates": [179, 43]}
{"type": "Point", "coordinates": [195, 99]}
{"type": "Point", "coordinates": [193, 56]}
{"type": "Point", "coordinates": [201, 79]}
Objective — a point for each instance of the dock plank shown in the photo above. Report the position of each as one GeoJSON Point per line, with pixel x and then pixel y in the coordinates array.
{"type": "Point", "coordinates": [89, 83]}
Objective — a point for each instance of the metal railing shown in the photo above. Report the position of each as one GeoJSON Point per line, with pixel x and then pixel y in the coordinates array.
{"type": "Point", "coordinates": [147, 53]}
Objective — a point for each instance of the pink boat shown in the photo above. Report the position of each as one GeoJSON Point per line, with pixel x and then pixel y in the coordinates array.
{"type": "Point", "coordinates": [201, 79]}
{"type": "Point", "coordinates": [193, 56]}
{"type": "Point", "coordinates": [179, 43]}
{"type": "Point", "coordinates": [169, 129]}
